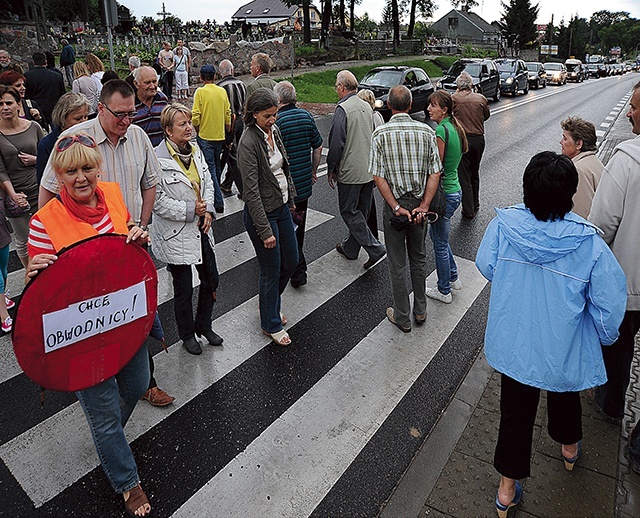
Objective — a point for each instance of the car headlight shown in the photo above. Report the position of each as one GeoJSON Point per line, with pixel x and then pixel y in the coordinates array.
{"type": "Point", "coordinates": [379, 103]}
{"type": "Point", "coordinates": [439, 85]}
{"type": "Point", "coordinates": [509, 80]}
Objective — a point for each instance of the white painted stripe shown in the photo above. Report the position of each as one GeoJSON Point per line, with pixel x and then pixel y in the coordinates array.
{"type": "Point", "coordinates": [294, 463]}
{"type": "Point", "coordinates": [531, 99]}
{"type": "Point", "coordinates": [605, 124]}
{"type": "Point", "coordinates": [600, 133]}
{"type": "Point", "coordinates": [609, 118]}
{"type": "Point", "coordinates": [48, 458]}
{"type": "Point", "coordinates": [229, 253]}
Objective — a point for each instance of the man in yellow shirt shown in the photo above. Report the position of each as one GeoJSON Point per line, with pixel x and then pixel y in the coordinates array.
{"type": "Point", "coordinates": [211, 116]}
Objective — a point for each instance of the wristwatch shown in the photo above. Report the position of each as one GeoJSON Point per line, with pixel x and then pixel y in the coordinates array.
{"type": "Point", "coordinates": [396, 208]}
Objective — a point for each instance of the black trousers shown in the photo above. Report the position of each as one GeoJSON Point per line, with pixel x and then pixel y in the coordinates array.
{"type": "Point", "coordinates": [469, 175]}
{"type": "Point", "coordinates": [167, 87]}
{"type": "Point", "coordinates": [518, 407]}
{"type": "Point", "coordinates": [300, 273]}
{"type": "Point", "coordinates": [230, 158]}
{"type": "Point", "coordinates": [182, 303]}
{"type": "Point", "coordinates": [617, 360]}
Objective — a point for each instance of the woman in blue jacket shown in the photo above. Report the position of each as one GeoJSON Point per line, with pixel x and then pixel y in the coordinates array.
{"type": "Point", "coordinates": [557, 294]}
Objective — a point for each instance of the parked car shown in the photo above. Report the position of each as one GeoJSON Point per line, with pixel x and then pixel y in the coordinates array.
{"type": "Point", "coordinates": [618, 69]}
{"type": "Point", "coordinates": [556, 73]}
{"type": "Point", "coordinates": [380, 80]}
{"type": "Point", "coordinates": [575, 70]}
{"type": "Point", "coordinates": [486, 78]}
{"type": "Point", "coordinates": [537, 75]}
{"type": "Point", "coordinates": [514, 76]}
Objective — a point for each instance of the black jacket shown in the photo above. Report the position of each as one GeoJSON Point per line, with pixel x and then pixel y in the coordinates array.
{"type": "Point", "coordinates": [45, 87]}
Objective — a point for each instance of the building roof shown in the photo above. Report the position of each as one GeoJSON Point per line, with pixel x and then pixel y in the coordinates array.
{"type": "Point", "coordinates": [473, 18]}
{"type": "Point", "coordinates": [264, 11]}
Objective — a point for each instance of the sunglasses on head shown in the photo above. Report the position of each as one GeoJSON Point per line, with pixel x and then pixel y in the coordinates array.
{"type": "Point", "coordinates": [66, 142]}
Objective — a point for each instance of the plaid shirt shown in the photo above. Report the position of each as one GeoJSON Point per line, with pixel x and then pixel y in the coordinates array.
{"type": "Point", "coordinates": [404, 152]}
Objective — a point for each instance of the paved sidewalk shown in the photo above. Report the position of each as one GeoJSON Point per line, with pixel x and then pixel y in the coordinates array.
{"type": "Point", "coordinates": [453, 476]}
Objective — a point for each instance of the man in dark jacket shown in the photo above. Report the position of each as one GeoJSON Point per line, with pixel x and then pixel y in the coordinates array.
{"type": "Point", "coordinates": [67, 59]}
{"type": "Point", "coordinates": [44, 86]}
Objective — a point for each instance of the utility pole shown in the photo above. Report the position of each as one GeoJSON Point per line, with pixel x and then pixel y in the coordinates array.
{"type": "Point", "coordinates": [164, 15]}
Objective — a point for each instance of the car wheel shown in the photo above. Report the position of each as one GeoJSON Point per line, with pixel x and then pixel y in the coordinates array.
{"type": "Point", "coordinates": [496, 97]}
{"type": "Point", "coordinates": [537, 84]}
{"type": "Point", "coordinates": [526, 88]}
{"type": "Point", "coordinates": [544, 85]}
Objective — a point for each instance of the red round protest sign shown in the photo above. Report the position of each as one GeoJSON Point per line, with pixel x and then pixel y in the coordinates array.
{"type": "Point", "coordinates": [83, 318]}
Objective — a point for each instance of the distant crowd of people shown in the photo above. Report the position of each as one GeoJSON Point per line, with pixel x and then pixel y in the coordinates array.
{"type": "Point", "coordinates": [115, 154]}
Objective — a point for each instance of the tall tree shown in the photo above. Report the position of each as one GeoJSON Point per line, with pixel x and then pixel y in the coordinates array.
{"type": "Point", "coordinates": [519, 20]}
{"type": "Point", "coordinates": [395, 16]}
{"type": "Point", "coordinates": [425, 8]}
{"type": "Point", "coordinates": [464, 5]}
{"type": "Point", "coordinates": [326, 20]}
{"type": "Point", "coordinates": [306, 22]}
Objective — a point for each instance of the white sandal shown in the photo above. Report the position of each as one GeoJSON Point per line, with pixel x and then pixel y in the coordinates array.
{"type": "Point", "coordinates": [280, 337]}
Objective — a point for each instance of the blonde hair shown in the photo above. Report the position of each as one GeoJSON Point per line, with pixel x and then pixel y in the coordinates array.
{"type": "Point", "coordinates": [367, 95]}
{"type": "Point", "coordinates": [169, 113]}
{"type": "Point", "coordinates": [80, 69]}
{"type": "Point", "coordinates": [94, 63]}
{"type": "Point", "coordinates": [76, 155]}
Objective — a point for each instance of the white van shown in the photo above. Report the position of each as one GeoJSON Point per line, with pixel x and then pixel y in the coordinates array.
{"type": "Point", "coordinates": [575, 70]}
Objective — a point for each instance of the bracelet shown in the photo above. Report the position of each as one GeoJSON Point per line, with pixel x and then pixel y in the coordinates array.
{"type": "Point", "coordinates": [145, 228]}
{"type": "Point", "coordinates": [396, 208]}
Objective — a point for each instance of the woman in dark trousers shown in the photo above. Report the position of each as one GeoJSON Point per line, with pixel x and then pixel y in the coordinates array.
{"type": "Point", "coordinates": [268, 194]}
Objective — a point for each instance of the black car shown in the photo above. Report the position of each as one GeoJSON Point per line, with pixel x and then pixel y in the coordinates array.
{"type": "Point", "coordinates": [380, 79]}
{"type": "Point", "coordinates": [486, 79]}
{"type": "Point", "coordinates": [514, 76]}
{"type": "Point", "coordinates": [537, 75]}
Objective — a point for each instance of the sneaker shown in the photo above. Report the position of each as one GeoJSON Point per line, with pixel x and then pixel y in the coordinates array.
{"type": "Point", "coordinates": [9, 303]}
{"type": "Point", "coordinates": [7, 324]}
{"type": "Point", "coordinates": [434, 294]}
{"type": "Point", "coordinates": [158, 397]}
{"type": "Point", "coordinates": [456, 285]}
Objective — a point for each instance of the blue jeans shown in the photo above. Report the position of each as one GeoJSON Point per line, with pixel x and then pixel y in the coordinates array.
{"type": "Point", "coordinates": [107, 407]}
{"type": "Point", "coordinates": [212, 149]}
{"type": "Point", "coordinates": [276, 264]}
{"type": "Point", "coordinates": [446, 267]}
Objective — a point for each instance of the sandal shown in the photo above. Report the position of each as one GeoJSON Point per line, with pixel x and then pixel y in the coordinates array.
{"type": "Point", "coordinates": [280, 337]}
{"type": "Point", "coordinates": [283, 319]}
{"type": "Point", "coordinates": [137, 499]}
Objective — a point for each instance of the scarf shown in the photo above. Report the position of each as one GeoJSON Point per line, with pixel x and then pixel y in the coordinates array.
{"type": "Point", "coordinates": [82, 212]}
{"type": "Point", "coordinates": [183, 153]}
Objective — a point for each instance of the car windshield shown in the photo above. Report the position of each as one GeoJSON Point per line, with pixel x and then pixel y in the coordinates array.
{"type": "Point", "coordinates": [386, 78]}
{"type": "Point", "coordinates": [532, 67]}
{"type": "Point", "coordinates": [556, 67]}
{"type": "Point", "coordinates": [571, 68]}
{"type": "Point", "coordinates": [507, 66]}
{"type": "Point", "coordinates": [460, 66]}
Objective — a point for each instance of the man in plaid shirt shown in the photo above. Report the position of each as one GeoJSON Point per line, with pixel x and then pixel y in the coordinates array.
{"type": "Point", "coordinates": [406, 169]}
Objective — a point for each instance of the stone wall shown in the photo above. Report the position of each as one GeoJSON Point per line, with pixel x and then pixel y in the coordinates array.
{"type": "Point", "coordinates": [21, 40]}
{"type": "Point", "coordinates": [240, 52]}
{"type": "Point", "coordinates": [374, 49]}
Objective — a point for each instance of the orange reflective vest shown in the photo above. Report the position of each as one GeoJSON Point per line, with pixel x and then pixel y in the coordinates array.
{"type": "Point", "coordinates": [64, 230]}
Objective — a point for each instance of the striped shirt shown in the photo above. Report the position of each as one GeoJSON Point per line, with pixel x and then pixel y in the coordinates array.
{"type": "Point", "coordinates": [404, 152]}
{"type": "Point", "coordinates": [299, 136]}
{"type": "Point", "coordinates": [148, 118]}
{"type": "Point", "coordinates": [237, 93]}
{"type": "Point", "coordinates": [132, 163]}
{"type": "Point", "coordinates": [39, 241]}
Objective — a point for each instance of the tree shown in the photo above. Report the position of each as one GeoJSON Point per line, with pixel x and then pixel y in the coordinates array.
{"type": "Point", "coordinates": [425, 9]}
{"type": "Point", "coordinates": [326, 20]}
{"type": "Point", "coordinates": [364, 24]}
{"type": "Point", "coordinates": [604, 20]}
{"type": "Point", "coordinates": [464, 5]}
{"type": "Point", "coordinates": [395, 18]}
{"type": "Point", "coordinates": [306, 15]}
{"type": "Point", "coordinates": [572, 39]}
{"type": "Point", "coordinates": [519, 21]}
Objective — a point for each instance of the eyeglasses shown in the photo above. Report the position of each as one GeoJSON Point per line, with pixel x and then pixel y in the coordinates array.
{"type": "Point", "coordinates": [66, 142]}
{"type": "Point", "coordinates": [336, 87]}
{"type": "Point", "coordinates": [121, 115]}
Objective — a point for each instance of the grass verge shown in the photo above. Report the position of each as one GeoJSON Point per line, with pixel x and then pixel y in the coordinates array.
{"type": "Point", "coordinates": [318, 87]}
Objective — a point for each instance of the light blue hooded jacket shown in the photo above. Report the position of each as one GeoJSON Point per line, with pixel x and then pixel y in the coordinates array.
{"type": "Point", "coordinates": [557, 294]}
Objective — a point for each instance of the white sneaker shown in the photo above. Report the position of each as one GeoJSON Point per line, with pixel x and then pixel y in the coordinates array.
{"type": "Point", "coordinates": [434, 294]}
{"type": "Point", "coordinates": [456, 285]}
{"type": "Point", "coordinates": [7, 324]}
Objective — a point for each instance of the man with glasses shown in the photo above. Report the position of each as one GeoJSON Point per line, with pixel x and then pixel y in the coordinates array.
{"type": "Point", "coordinates": [347, 165]}
{"type": "Point", "coordinates": [128, 158]}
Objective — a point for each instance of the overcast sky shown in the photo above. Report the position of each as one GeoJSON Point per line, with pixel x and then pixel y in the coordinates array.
{"type": "Point", "coordinates": [490, 10]}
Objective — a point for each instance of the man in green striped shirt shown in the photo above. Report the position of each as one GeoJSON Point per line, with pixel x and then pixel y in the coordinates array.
{"type": "Point", "coordinates": [406, 169]}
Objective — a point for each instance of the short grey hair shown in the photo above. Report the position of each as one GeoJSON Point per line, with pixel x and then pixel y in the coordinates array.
{"type": "Point", "coordinates": [285, 92]}
{"type": "Point", "coordinates": [399, 98]}
{"type": "Point", "coordinates": [66, 105]}
{"type": "Point", "coordinates": [139, 70]}
{"type": "Point", "coordinates": [464, 81]}
{"type": "Point", "coordinates": [3, 51]}
{"type": "Point", "coordinates": [348, 80]}
{"type": "Point", "coordinates": [225, 68]}
{"type": "Point", "coordinates": [134, 61]}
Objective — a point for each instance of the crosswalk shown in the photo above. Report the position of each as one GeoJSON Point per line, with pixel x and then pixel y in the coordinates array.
{"type": "Point", "coordinates": [255, 430]}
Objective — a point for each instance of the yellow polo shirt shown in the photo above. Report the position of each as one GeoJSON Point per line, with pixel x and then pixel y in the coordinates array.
{"type": "Point", "coordinates": [211, 112]}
